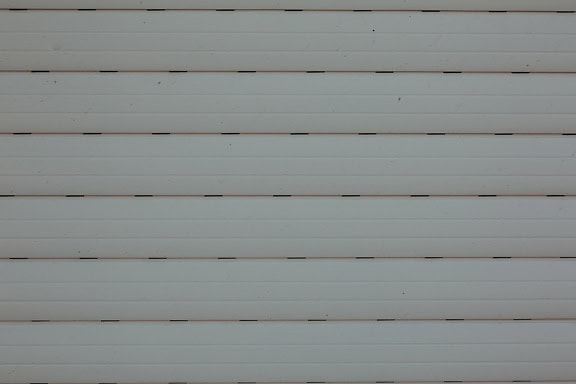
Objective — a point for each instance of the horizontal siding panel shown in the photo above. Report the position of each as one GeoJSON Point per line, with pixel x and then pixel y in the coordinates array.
{"type": "Point", "coordinates": [287, 289]}
{"type": "Point", "coordinates": [287, 102]}
{"type": "Point", "coordinates": [256, 227]}
{"type": "Point", "coordinates": [286, 165]}
{"type": "Point", "coordinates": [290, 351]}
{"type": "Point", "coordinates": [287, 41]}
{"type": "Point", "coordinates": [458, 5]}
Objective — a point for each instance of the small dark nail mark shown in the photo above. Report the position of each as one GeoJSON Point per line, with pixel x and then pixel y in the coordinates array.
{"type": "Point", "coordinates": [501, 257]}
{"type": "Point", "coordinates": [384, 72]}
{"type": "Point", "coordinates": [296, 258]}
{"type": "Point", "coordinates": [350, 196]}
{"type": "Point", "coordinates": [454, 319]}
{"type": "Point", "coordinates": [487, 195]}
{"type": "Point", "coordinates": [555, 195]}
{"type": "Point", "coordinates": [92, 133]}
{"type": "Point", "coordinates": [226, 258]}
{"type": "Point", "coordinates": [299, 133]}
{"type": "Point", "coordinates": [160, 133]}
{"type": "Point", "coordinates": [419, 195]}
{"type": "Point", "coordinates": [281, 195]}
{"type": "Point", "coordinates": [38, 71]}
{"type": "Point", "coordinates": [385, 319]}
{"type": "Point", "coordinates": [434, 257]}
{"type": "Point", "coordinates": [213, 195]}
{"type": "Point", "coordinates": [108, 71]}
{"type": "Point", "coordinates": [21, 133]}
{"type": "Point", "coordinates": [436, 134]}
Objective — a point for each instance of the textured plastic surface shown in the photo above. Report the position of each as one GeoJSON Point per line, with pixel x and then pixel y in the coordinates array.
{"type": "Point", "coordinates": [292, 351]}
{"type": "Point", "coordinates": [287, 41]}
{"type": "Point", "coordinates": [79, 346]}
{"type": "Point", "coordinates": [287, 165]}
{"type": "Point", "coordinates": [287, 290]}
{"type": "Point", "coordinates": [201, 227]}
{"type": "Point", "coordinates": [287, 102]}
{"type": "Point", "coordinates": [457, 5]}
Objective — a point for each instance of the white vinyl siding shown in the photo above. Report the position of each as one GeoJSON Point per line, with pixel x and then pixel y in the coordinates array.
{"type": "Point", "coordinates": [287, 165]}
{"type": "Point", "coordinates": [218, 352]}
{"type": "Point", "coordinates": [287, 290]}
{"type": "Point", "coordinates": [278, 227]}
{"type": "Point", "coordinates": [287, 103]}
{"type": "Point", "coordinates": [315, 196]}
{"type": "Point", "coordinates": [287, 41]}
{"type": "Point", "coordinates": [408, 5]}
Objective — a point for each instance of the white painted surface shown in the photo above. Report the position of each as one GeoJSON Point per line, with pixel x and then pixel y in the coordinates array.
{"type": "Point", "coordinates": [354, 293]}
{"type": "Point", "coordinates": [287, 165]}
{"type": "Point", "coordinates": [287, 102]}
{"type": "Point", "coordinates": [287, 290]}
{"type": "Point", "coordinates": [291, 351]}
{"type": "Point", "coordinates": [458, 5]}
{"type": "Point", "coordinates": [276, 227]}
{"type": "Point", "coordinates": [287, 41]}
